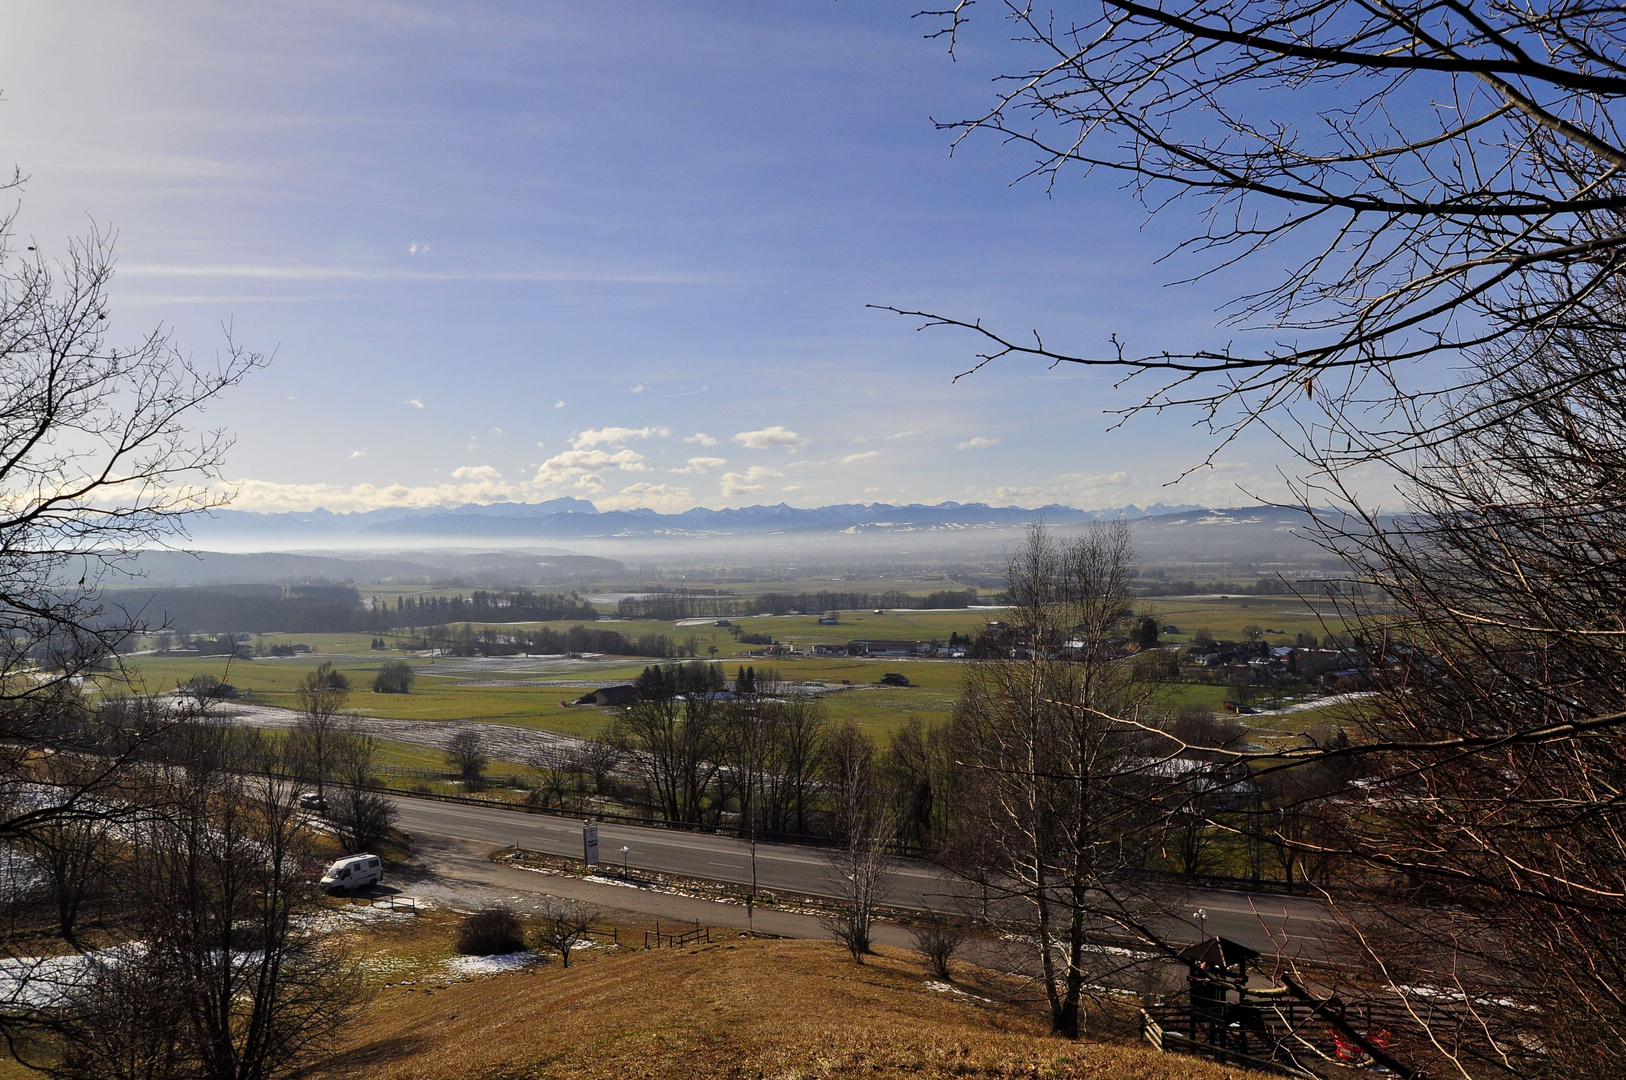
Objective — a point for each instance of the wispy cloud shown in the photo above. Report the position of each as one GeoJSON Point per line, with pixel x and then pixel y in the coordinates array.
{"type": "Point", "coordinates": [416, 403]}
{"type": "Point", "coordinates": [865, 456]}
{"type": "Point", "coordinates": [769, 437]}
{"type": "Point", "coordinates": [700, 465]}
{"type": "Point", "coordinates": [354, 454]}
{"type": "Point", "coordinates": [476, 472]}
{"type": "Point", "coordinates": [701, 438]}
{"type": "Point", "coordinates": [563, 466]}
{"type": "Point", "coordinates": [659, 497]}
{"type": "Point", "coordinates": [981, 442]}
{"type": "Point", "coordinates": [734, 483]}
{"type": "Point", "coordinates": [309, 272]}
{"type": "Point", "coordinates": [905, 434]}
{"type": "Point", "coordinates": [617, 436]}
{"type": "Point", "coordinates": [636, 389]}
{"type": "Point", "coordinates": [559, 404]}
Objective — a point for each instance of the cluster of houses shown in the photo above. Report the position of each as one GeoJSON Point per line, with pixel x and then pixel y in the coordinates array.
{"type": "Point", "coordinates": [1256, 663]}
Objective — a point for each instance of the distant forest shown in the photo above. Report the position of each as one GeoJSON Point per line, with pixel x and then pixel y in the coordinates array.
{"type": "Point", "coordinates": [672, 606]}
{"type": "Point", "coordinates": [466, 640]}
{"type": "Point", "coordinates": [318, 609]}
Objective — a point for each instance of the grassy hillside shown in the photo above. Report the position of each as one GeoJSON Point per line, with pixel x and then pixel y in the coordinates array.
{"type": "Point", "coordinates": [735, 1009]}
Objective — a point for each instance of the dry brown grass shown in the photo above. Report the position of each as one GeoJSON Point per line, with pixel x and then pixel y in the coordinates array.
{"type": "Point", "coordinates": [783, 1009]}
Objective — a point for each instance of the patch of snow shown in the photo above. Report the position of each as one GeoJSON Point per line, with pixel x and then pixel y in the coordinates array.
{"type": "Point", "coordinates": [469, 967]}
{"type": "Point", "coordinates": [950, 988]}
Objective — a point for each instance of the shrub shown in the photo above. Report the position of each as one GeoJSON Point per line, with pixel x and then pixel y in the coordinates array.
{"type": "Point", "coordinates": [394, 677]}
{"type": "Point", "coordinates": [936, 939]}
{"type": "Point", "coordinates": [490, 931]}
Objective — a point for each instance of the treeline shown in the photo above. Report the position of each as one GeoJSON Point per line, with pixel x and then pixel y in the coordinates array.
{"type": "Point", "coordinates": [1265, 586]}
{"type": "Point", "coordinates": [467, 640]}
{"type": "Point", "coordinates": [672, 607]}
{"type": "Point", "coordinates": [260, 609]}
{"type": "Point", "coordinates": [487, 606]}
{"type": "Point", "coordinates": [753, 755]}
{"type": "Point", "coordinates": [332, 609]}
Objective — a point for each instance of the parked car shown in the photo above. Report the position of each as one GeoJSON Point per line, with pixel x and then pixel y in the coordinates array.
{"type": "Point", "coordinates": [353, 872]}
{"type": "Point", "coordinates": [311, 800]}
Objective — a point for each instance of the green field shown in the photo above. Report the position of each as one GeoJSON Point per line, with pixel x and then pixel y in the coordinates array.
{"type": "Point", "coordinates": [531, 692]}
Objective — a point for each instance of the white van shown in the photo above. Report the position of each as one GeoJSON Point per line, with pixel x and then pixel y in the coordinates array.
{"type": "Point", "coordinates": [353, 873]}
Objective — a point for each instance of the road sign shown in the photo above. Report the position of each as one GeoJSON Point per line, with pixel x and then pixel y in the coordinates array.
{"type": "Point", "coordinates": [590, 842]}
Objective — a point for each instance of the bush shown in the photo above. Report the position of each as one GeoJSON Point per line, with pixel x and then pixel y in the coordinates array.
{"type": "Point", "coordinates": [936, 939]}
{"type": "Point", "coordinates": [394, 677]}
{"type": "Point", "coordinates": [491, 931]}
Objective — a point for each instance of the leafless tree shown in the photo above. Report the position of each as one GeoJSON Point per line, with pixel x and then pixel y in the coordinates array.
{"type": "Point", "coordinates": [1056, 795]}
{"type": "Point", "coordinates": [363, 818]}
{"type": "Point", "coordinates": [676, 734]}
{"type": "Point", "coordinates": [560, 774]}
{"type": "Point", "coordinates": [466, 753]}
{"type": "Point", "coordinates": [322, 727]}
{"type": "Point", "coordinates": [1450, 173]}
{"type": "Point", "coordinates": [228, 977]}
{"type": "Point", "coordinates": [600, 758]}
{"type": "Point", "coordinates": [71, 849]}
{"type": "Point", "coordinates": [97, 460]}
{"type": "Point", "coordinates": [1492, 761]}
{"type": "Point", "coordinates": [564, 924]}
{"type": "Point", "coordinates": [857, 866]}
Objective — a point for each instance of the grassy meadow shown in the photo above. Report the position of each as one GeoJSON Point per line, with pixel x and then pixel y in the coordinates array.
{"type": "Point", "coordinates": [532, 691]}
{"type": "Point", "coordinates": [734, 1008]}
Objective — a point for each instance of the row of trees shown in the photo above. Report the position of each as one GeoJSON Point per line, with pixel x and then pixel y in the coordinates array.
{"type": "Point", "coordinates": [674, 606]}
{"type": "Point", "coordinates": [521, 605]}
{"type": "Point", "coordinates": [467, 640]}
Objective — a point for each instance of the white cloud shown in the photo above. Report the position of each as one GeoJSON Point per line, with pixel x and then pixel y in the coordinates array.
{"type": "Point", "coordinates": [418, 248]}
{"type": "Point", "coordinates": [701, 438]}
{"type": "Point", "coordinates": [981, 442]}
{"type": "Point", "coordinates": [561, 467]}
{"type": "Point", "coordinates": [905, 434]}
{"type": "Point", "coordinates": [660, 497]}
{"type": "Point", "coordinates": [791, 488]}
{"type": "Point", "coordinates": [700, 465]}
{"type": "Point", "coordinates": [267, 496]}
{"type": "Point", "coordinates": [476, 472]}
{"type": "Point", "coordinates": [416, 403]}
{"type": "Point", "coordinates": [496, 431]}
{"type": "Point", "coordinates": [559, 404]}
{"type": "Point", "coordinates": [354, 454]}
{"type": "Point", "coordinates": [865, 456]}
{"type": "Point", "coordinates": [734, 483]}
{"type": "Point", "coordinates": [590, 483]}
{"type": "Point", "coordinates": [617, 436]}
{"type": "Point", "coordinates": [636, 389]}
{"type": "Point", "coordinates": [769, 437]}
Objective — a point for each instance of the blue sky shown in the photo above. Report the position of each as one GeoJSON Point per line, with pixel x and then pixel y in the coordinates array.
{"type": "Point", "coordinates": [615, 250]}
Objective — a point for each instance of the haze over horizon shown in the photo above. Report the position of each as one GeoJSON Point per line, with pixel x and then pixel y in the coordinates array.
{"type": "Point", "coordinates": [615, 251]}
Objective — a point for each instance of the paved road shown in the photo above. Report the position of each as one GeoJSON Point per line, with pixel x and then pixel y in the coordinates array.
{"type": "Point", "coordinates": [1253, 919]}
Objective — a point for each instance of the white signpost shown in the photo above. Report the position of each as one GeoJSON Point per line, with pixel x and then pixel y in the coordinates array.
{"type": "Point", "coordinates": [590, 842]}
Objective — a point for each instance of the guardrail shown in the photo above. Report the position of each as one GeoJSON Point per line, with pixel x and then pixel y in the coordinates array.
{"type": "Point", "coordinates": [1166, 877]}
